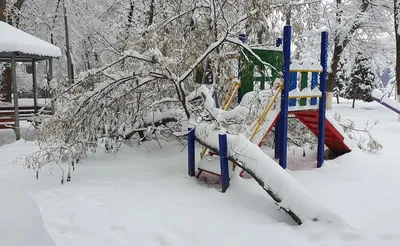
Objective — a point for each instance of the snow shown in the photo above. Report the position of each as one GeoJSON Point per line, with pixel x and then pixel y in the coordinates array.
{"type": "Point", "coordinates": [203, 91]}
{"type": "Point", "coordinates": [212, 164]}
{"type": "Point", "coordinates": [20, 219]}
{"type": "Point", "coordinates": [135, 197]}
{"type": "Point", "coordinates": [237, 114]}
{"type": "Point", "coordinates": [273, 178]}
{"type": "Point", "coordinates": [386, 101]}
{"type": "Point", "coordinates": [15, 40]}
{"type": "Point", "coordinates": [265, 127]}
{"type": "Point", "coordinates": [308, 65]}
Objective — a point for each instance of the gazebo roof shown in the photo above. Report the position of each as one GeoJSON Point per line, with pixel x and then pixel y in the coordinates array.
{"type": "Point", "coordinates": [23, 46]}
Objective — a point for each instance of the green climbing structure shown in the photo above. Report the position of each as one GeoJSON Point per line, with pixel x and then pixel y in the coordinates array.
{"type": "Point", "coordinates": [253, 71]}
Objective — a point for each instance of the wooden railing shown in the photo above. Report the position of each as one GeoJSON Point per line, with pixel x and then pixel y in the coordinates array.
{"type": "Point", "coordinates": [7, 115]}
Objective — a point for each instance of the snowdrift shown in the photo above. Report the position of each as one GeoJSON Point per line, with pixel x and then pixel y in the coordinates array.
{"type": "Point", "coordinates": [20, 219]}
{"type": "Point", "coordinates": [287, 193]}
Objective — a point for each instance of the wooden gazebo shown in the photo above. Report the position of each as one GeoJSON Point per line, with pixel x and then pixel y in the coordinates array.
{"type": "Point", "coordinates": [19, 46]}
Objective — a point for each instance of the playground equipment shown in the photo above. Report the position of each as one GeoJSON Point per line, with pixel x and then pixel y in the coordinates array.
{"type": "Point", "coordinates": [302, 94]}
{"type": "Point", "coordinates": [383, 98]}
{"type": "Point", "coordinates": [252, 71]}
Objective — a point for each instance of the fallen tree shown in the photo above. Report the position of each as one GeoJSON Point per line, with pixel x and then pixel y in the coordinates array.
{"type": "Point", "coordinates": [286, 192]}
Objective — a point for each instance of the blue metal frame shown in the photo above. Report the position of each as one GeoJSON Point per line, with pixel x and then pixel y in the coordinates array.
{"type": "Point", "coordinates": [314, 83]}
{"type": "Point", "coordinates": [287, 35]}
{"type": "Point", "coordinates": [278, 138]}
{"type": "Point", "coordinates": [387, 105]}
{"type": "Point", "coordinates": [292, 86]}
{"type": "Point", "coordinates": [223, 158]}
{"type": "Point", "coordinates": [322, 101]}
{"type": "Point", "coordinates": [279, 42]}
{"type": "Point", "coordinates": [242, 38]}
{"type": "Point", "coordinates": [191, 152]}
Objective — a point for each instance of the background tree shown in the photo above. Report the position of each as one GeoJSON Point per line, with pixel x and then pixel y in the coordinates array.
{"type": "Point", "coordinates": [363, 80]}
{"type": "Point", "coordinates": [397, 33]}
{"type": "Point", "coordinates": [342, 80]}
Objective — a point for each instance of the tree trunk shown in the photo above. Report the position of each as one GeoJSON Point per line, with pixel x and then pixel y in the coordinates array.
{"type": "Point", "coordinates": [397, 32]}
{"type": "Point", "coordinates": [70, 66]}
{"type": "Point", "coordinates": [6, 85]}
{"type": "Point", "coordinates": [354, 102]}
{"type": "Point", "coordinates": [341, 40]}
{"type": "Point", "coordinates": [150, 14]}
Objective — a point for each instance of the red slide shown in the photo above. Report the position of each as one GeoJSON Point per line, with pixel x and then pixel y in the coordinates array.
{"type": "Point", "coordinates": [333, 138]}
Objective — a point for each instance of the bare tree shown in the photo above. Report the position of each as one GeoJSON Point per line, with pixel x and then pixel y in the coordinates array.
{"type": "Point", "coordinates": [397, 32]}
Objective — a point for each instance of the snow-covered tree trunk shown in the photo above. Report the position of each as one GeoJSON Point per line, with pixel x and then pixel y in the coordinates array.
{"type": "Point", "coordinates": [342, 39]}
{"type": "Point", "coordinates": [397, 32]}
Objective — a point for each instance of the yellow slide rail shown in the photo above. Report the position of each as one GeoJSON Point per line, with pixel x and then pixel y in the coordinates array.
{"type": "Point", "coordinates": [231, 95]}
{"type": "Point", "coordinates": [229, 98]}
{"type": "Point", "coordinates": [256, 128]}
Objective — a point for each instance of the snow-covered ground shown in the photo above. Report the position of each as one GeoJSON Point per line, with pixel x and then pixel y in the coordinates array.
{"type": "Point", "coordinates": [139, 198]}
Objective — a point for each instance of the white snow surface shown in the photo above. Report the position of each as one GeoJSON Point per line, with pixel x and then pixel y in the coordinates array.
{"type": "Point", "coordinates": [305, 65]}
{"type": "Point", "coordinates": [135, 197]}
{"type": "Point", "coordinates": [294, 197]}
{"type": "Point", "coordinates": [21, 223]}
{"type": "Point", "coordinates": [15, 40]}
{"type": "Point", "coordinates": [384, 99]}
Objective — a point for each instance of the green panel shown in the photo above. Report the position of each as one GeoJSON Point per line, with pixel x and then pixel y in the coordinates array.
{"type": "Point", "coordinates": [246, 77]}
{"type": "Point", "coordinates": [304, 84]}
{"type": "Point", "coordinates": [268, 74]}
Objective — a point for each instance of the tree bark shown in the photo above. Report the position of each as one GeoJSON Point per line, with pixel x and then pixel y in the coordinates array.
{"type": "Point", "coordinates": [70, 66]}
{"type": "Point", "coordinates": [397, 32]}
{"type": "Point", "coordinates": [341, 41]}
{"type": "Point", "coordinates": [6, 86]}
{"type": "Point", "coordinates": [150, 14]}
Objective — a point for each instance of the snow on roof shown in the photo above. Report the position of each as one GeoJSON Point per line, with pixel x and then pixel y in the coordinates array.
{"type": "Point", "coordinates": [15, 40]}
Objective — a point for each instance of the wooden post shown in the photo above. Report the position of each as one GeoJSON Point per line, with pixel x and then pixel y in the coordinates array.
{"type": "Point", "coordinates": [15, 98]}
{"type": "Point", "coordinates": [49, 79]}
{"type": "Point", "coordinates": [34, 81]}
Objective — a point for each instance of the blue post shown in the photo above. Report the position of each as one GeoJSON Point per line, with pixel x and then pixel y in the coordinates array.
{"type": "Point", "coordinates": [293, 85]}
{"type": "Point", "coordinates": [191, 153]}
{"type": "Point", "coordinates": [285, 96]}
{"type": "Point", "coordinates": [242, 38]}
{"type": "Point", "coordinates": [314, 83]}
{"type": "Point", "coordinates": [279, 42]}
{"type": "Point", "coordinates": [223, 155]}
{"type": "Point", "coordinates": [322, 101]}
{"type": "Point", "coordinates": [277, 137]}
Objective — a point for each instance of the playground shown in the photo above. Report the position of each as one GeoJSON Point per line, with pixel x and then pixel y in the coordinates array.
{"type": "Point", "coordinates": [150, 199]}
{"type": "Point", "coordinates": [337, 194]}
